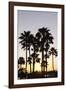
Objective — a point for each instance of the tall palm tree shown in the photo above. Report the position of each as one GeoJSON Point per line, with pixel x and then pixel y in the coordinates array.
{"type": "Point", "coordinates": [30, 37]}
{"type": "Point", "coordinates": [41, 41]}
{"type": "Point", "coordinates": [24, 42]}
{"type": "Point", "coordinates": [29, 60]}
{"type": "Point", "coordinates": [34, 48]}
{"type": "Point", "coordinates": [21, 61]}
{"type": "Point", "coordinates": [53, 52]}
{"type": "Point", "coordinates": [49, 40]}
{"type": "Point", "coordinates": [45, 39]}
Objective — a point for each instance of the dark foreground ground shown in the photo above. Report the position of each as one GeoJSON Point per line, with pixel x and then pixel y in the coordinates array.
{"type": "Point", "coordinates": [49, 74]}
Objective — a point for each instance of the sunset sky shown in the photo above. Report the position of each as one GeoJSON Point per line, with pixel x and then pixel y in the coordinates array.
{"type": "Point", "coordinates": [32, 21]}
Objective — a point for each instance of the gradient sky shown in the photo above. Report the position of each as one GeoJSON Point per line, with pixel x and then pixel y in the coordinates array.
{"type": "Point", "coordinates": [32, 21]}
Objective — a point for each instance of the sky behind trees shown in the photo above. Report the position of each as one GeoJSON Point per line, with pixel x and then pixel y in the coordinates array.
{"type": "Point", "coordinates": [32, 21]}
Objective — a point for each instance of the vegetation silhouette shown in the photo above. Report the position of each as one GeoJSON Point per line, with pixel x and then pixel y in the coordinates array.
{"type": "Point", "coordinates": [21, 61]}
{"type": "Point", "coordinates": [25, 43]}
{"type": "Point", "coordinates": [34, 44]}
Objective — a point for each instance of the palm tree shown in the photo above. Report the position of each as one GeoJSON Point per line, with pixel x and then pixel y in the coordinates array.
{"type": "Point", "coordinates": [46, 53]}
{"type": "Point", "coordinates": [34, 48]}
{"type": "Point", "coordinates": [30, 37]}
{"type": "Point", "coordinates": [53, 52]}
{"type": "Point", "coordinates": [45, 39]}
{"type": "Point", "coordinates": [24, 42]}
{"type": "Point", "coordinates": [29, 60]}
{"type": "Point", "coordinates": [34, 56]}
{"type": "Point", "coordinates": [43, 69]}
{"type": "Point", "coordinates": [21, 61]}
{"type": "Point", "coordinates": [49, 40]}
{"type": "Point", "coordinates": [42, 41]}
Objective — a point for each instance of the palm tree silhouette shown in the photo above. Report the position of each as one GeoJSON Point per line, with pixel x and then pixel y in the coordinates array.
{"type": "Point", "coordinates": [34, 48]}
{"type": "Point", "coordinates": [53, 52]}
{"type": "Point", "coordinates": [45, 39]}
{"type": "Point", "coordinates": [21, 61]}
{"type": "Point", "coordinates": [34, 56]}
{"type": "Point", "coordinates": [42, 41]}
{"type": "Point", "coordinates": [44, 64]}
{"type": "Point", "coordinates": [33, 44]}
{"type": "Point", "coordinates": [24, 42]}
{"type": "Point", "coordinates": [29, 43]}
{"type": "Point", "coordinates": [30, 37]}
{"type": "Point", "coordinates": [49, 40]}
{"type": "Point", "coordinates": [46, 53]}
{"type": "Point", "coordinates": [29, 60]}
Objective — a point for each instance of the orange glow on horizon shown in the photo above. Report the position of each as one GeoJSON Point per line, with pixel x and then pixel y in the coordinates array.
{"type": "Point", "coordinates": [38, 65]}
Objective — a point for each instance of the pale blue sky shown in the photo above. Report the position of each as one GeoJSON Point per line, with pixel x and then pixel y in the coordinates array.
{"type": "Point", "coordinates": [33, 20]}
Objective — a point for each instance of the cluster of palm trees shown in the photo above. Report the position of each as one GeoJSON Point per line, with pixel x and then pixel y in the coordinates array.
{"type": "Point", "coordinates": [36, 44]}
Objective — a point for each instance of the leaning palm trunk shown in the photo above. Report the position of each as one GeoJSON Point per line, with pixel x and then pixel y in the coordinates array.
{"type": "Point", "coordinates": [52, 62]}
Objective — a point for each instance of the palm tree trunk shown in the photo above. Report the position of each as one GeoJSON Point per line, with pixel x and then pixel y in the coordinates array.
{"type": "Point", "coordinates": [34, 60]}
{"type": "Point", "coordinates": [26, 60]}
{"type": "Point", "coordinates": [29, 56]}
{"type": "Point", "coordinates": [43, 58]}
{"type": "Point", "coordinates": [30, 67]}
{"type": "Point", "coordinates": [52, 62]}
{"type": "Point", "coordinates": [33, 65]}
{"type": "Point", "coordinates": [42, 55]}
{"type": "Point", "coordinates": [46, 64]}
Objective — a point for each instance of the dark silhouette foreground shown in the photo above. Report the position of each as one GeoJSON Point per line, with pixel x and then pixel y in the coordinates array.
{"type": "Point", "coordinates": [48, 74]}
